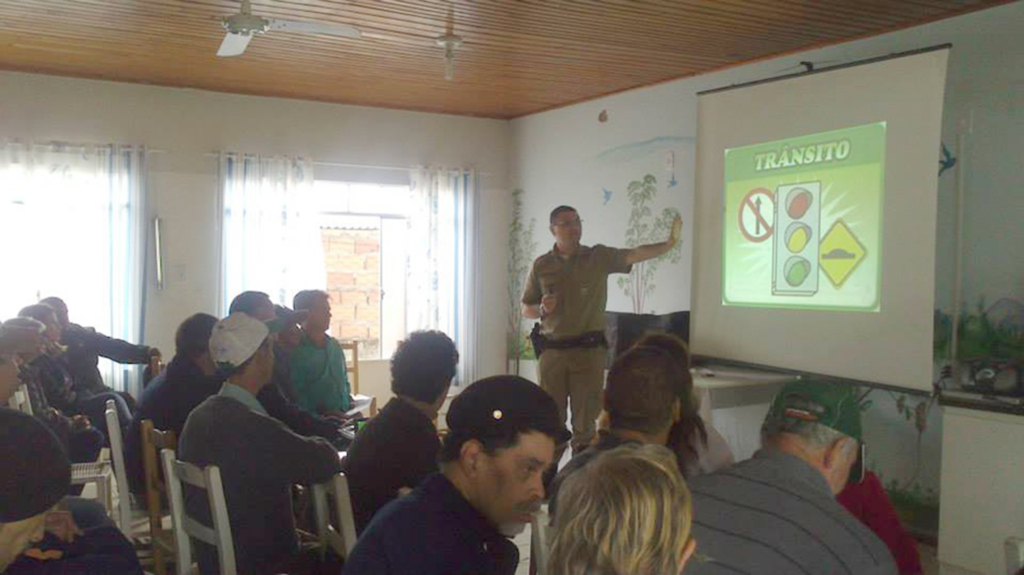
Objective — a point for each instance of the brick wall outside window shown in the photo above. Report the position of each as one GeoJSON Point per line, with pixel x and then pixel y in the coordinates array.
{"type": "Point", "coordinates": [352, 258]}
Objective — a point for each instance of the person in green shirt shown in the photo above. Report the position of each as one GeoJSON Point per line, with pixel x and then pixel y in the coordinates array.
{"type": "Point", "coordinates": [318, 362]}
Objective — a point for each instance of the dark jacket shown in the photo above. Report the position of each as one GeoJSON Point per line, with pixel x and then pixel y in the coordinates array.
{"type": "Point", "coordinates": [83, 444]}
{"type": "Point", "coordinates": [259, 459]}
{"type": "Point", "coordinates": [398, 448]}
{"type": "Point", "coordinates": [167, 401]}
{"type": "Point", "coordinates": [280, 405]}
{"type": "Point", "coordinates": [85, 346]}
{"type": "Point", "coordinates": [56, 382]}
{"type": "Point", "coordinates": [432, 531]}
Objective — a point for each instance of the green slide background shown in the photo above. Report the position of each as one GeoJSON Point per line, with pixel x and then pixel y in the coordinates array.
{"type": "Point", "coordinates": [852, 190]}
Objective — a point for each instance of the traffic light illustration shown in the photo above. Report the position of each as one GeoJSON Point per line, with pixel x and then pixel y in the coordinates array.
{"type": "Point", "coordinates": [796, 239]}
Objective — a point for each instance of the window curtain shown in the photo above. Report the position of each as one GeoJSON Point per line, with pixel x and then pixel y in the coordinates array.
{"type": "Point", "coordinates": [270, 235]}
{"type": "Point", "coordinates": [72, 225]}
{"type": "Point", "coordinates": [442, 284]}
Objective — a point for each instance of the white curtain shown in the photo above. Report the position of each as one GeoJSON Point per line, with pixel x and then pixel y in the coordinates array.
{"type": "Point", "coordinates": [270, 234]}
{"type": "Point", "coordinates": [442, 284]}
{"type": "Point", "coordinates": [72, 225]}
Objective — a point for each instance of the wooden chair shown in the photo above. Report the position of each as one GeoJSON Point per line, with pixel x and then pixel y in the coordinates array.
{"type": "Point", "coordinates": [353, 366]}
{"type": "Point", "coordinates": [351, 348]}
{"type": "Point", "coordinates": [124, 499]}
{"type": "Point", "coordinates": [207, 479]}
{"type": "Point", "coordinates": [340, 536]}
{"type": "Point", "coordinates": [154, 440]}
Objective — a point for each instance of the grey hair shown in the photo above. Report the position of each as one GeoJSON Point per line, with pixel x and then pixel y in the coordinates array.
{"type": "Point", "coordinates": [814, 434]}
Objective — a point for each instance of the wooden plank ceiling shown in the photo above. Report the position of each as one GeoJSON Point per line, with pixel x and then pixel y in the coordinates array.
{"type": "Point", "coordinates": [518, 56]}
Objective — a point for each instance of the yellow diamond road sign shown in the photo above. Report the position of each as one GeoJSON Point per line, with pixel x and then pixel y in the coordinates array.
{"type": "Point", "coordinates": [841, 253]}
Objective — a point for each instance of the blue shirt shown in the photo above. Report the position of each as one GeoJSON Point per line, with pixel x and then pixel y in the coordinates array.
{"type": "Point", "coordinates": [432, 531]}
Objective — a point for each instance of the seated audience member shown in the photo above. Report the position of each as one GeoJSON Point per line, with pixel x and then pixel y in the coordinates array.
{"type": "Point", "coordinates": [642, 405]}
{"type": "Point", "coordinates": [276, 396]}
{"type": "Point", "coordinates": [628, 511]}
{"type": "Point", "coordinates": [189, 379]}
{"type": "Point", "coordinates": [35, 537]}
{"type": "Point", "coordinates": [777, 512]}
{"type": "Point", "coordinates": [82, 441]}
{"type": "Point", "coordinates": [502, 436]}
{"type": "Point", "coordinates": [85, 346]}
{"type": "Point", "coordinates": [398, 448]}
{"type": "Point", "coordinates": [868, 501]}
{"type": "Point", "coordinates": [259, 457]}
{"type": "Point", "coordinates": [318, 362]}
{"type": "Point", "coordinates": [14, 340]}
{"type": "Point", "coordinates": [57, 384]}
{"type": "Point", "coordinates": [288, 339]}
{"type": "Point", "coordinates": [698, 446]}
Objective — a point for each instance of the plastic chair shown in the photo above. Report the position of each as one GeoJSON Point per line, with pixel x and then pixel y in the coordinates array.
{"type": "Point", "coordinates": [208, 479]}
{"type": "Point", "coordinates": [153, 440]}
{"type": "Point", "coordinates": [340, 537]}
{"type": "Point", "coordinates": [21, 400]}
{"type": "Point", "coordinates": [124, 500]}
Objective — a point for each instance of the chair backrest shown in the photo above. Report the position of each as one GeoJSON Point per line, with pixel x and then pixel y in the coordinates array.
{"type": "Point", "coordinates": [540, 545]}
{"type": "Point", "coordinates": [21, 400]}
{"type": "Point", "coordinates": [124, 499]}
{"type": "Point", "coordinates": [353, 367]}
{"type": "Point", "coordinates": [336, 526]}
{"type": "Point", "coordinates": [178, 473]}
{"type": "Point", "coordinates": [153, 440]}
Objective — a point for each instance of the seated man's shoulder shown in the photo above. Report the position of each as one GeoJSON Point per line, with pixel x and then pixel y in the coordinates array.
{"type": "Point", "coordinates": [761, 515]}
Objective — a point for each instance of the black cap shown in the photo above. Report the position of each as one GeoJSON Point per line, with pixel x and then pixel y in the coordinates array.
{"type": "Point", "coordinates": [505, 402]}
{"type": "Point", "coordinates": [36, 471]}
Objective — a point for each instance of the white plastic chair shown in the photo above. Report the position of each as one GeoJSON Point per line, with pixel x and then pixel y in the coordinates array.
{"type": "Point", "coordinates": [124, 499]}
{"type": "Point", "coordinates": [208, 479]}
{"type": "Point", "coordinates": [341, 537]}
{"type": "Point", "coordinates": [20, 400]}
{"type": "Point", "coordinates": [539, 542]}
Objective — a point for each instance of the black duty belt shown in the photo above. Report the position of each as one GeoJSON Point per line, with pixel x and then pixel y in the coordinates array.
{"type": "Point", "coordinates": [542, 342]}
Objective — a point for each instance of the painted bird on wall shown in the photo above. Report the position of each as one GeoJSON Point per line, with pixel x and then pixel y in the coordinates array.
{"type": "Point", "coordinates": [947, 160]}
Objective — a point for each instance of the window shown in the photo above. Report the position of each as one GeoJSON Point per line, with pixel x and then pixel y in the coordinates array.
{"type": "Point", "coordinates": [71, 226]}
{"type": "Point", "coordinates": [364, 228]}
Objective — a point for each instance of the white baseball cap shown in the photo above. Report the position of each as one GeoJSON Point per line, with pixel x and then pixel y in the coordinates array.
{"type": "Point", "coordinates": [235, 339]}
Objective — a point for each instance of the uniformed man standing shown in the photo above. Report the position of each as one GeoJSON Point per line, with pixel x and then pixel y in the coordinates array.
{"type": "Point", "coordinates": [568, 289]}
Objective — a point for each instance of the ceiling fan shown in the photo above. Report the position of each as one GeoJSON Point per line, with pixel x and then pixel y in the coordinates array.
{"type": "Point", "coordinates": [243, 26]}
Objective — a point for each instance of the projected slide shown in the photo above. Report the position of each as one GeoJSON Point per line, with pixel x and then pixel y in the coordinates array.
{"type": "Point", "coordinates": [803, 221]}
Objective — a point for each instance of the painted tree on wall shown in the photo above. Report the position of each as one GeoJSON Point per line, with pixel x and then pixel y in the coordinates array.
{"type": "Point", "coordinates": [639, 284]}
{"type": "Point", "coordinates": [521, 248]}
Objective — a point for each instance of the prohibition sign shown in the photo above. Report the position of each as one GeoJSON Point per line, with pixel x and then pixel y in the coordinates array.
{"type": "Point", "coordinates": [752, 214]}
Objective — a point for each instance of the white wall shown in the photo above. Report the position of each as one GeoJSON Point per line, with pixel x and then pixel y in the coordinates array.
{"type": "Point", "coordinates": [567, 156]}
{"type": "Point", "coordinates": [182, 188]}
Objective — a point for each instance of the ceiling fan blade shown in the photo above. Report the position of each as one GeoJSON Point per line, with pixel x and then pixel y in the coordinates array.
{"type": "Point", "coordinates": [344, 30]}
{"type": "Point", "coordinates": [233, 44]}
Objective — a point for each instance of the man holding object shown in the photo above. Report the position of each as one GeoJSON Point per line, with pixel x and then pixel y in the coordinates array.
{"type": "Point", "coordinates": [567, 289]}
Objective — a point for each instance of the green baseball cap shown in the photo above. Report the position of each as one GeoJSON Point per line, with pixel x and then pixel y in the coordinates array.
{"type": "Point", "coordinates": [830, 404]}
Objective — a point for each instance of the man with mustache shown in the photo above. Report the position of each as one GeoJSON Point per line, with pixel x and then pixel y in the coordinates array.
{"type": "Point", "coordinates": [503, 431]}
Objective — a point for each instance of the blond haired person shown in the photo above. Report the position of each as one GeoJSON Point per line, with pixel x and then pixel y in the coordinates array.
{"type": "Point", "coordinates": [628, 512]}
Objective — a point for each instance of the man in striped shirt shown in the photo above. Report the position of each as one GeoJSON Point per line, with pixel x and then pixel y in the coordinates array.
{"type": "Point", "coordinates": [777, 512]}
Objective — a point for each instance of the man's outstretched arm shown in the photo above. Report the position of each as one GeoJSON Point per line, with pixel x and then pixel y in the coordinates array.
{"type": "Point", "coordinates": [646, 252]}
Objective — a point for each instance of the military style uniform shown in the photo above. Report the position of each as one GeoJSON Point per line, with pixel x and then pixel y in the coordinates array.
{"type": "Point", "coordinates": [575, 373]}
